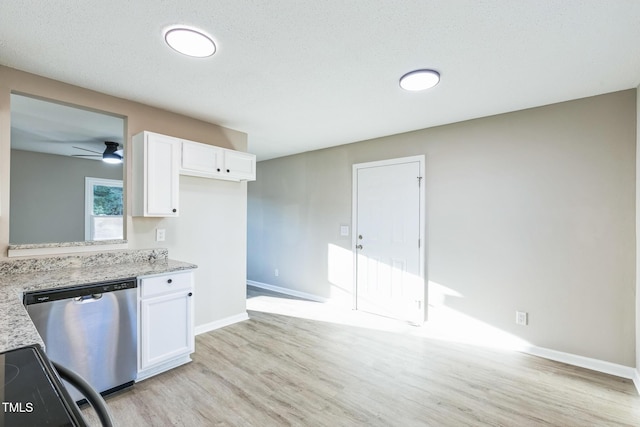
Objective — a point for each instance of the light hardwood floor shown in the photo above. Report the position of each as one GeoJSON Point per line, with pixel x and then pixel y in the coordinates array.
{"type": "Point", "coordinates": [279, 370]}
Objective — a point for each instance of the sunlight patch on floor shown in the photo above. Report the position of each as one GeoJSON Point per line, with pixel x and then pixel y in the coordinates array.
{"type": "Point", "coordinates": [446, 324]}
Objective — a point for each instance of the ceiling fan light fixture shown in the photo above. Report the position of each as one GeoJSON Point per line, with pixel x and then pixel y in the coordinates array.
{"type": "Point", "coordinates": [110, 155]}
{"type": "Point", "coordinates": [111, 158]}
{"type": "Point", "coordinates": [418, 80]}
{"type": "Point", "coordinates": [189, 41]}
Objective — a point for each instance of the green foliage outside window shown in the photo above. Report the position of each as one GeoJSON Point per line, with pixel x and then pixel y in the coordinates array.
{"type": "Point", "coordinates": [107, 200]}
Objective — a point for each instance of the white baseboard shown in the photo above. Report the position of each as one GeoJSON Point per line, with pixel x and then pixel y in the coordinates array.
{"type": "Point", "coordinates": [287, 291]}
{"type": "Point", "coordinates": [208, 327]}
{"type": "Point", "coordinates": [636, 379]}
{"type": "Point", "coordinates": [586, 362]}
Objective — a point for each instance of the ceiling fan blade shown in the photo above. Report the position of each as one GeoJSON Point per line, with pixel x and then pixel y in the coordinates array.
{"type": "Point", "coordinates": [91, 151]}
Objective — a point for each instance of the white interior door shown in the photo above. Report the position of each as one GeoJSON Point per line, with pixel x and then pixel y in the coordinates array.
{"type": "Point", "coordinates": [387, 238]}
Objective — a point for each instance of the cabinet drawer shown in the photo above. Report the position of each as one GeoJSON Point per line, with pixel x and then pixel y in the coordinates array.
{"type": "Point", "coordinates": [160, 285]}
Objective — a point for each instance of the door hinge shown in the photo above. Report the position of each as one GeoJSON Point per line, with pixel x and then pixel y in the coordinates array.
{"type": "Point", "coordinates": [419, 181]}
{"type": "Point", "coordinates": [419, 243]}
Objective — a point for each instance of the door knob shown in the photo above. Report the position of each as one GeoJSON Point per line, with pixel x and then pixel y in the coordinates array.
{"type": "Point", "coordinates": [359, 247]}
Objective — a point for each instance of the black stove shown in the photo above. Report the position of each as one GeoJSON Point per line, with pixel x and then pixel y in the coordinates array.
{"type": "Point", "coordinates": [33, 394]}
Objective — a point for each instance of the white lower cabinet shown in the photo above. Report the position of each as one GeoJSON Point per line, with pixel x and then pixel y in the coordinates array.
{"type": "Point", "coordinates": [165, 334]}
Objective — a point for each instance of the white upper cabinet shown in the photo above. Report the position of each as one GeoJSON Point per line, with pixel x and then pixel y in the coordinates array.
{"type": "Point", "coordinates": [159, 160]}
{"type": "Point", "coordinates": [200, 159]}
{"type": "Point", "coordinates": [239, 165]}
{"type": "Point", "coordinates": [216, 162]}
{"type": "Point", "coordinates": [156, 165]}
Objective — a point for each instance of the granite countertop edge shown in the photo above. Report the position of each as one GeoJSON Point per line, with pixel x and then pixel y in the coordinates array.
{"type": "Point", "coordinates": [16, 328]}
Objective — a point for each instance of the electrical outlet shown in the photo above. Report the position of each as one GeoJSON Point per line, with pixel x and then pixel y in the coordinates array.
{"type": "Point", "coordinates": [522, 318]}
{"type": "Point", "coordinates": [160, 234]}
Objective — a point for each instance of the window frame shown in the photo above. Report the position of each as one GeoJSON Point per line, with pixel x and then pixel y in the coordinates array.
{"type": "Point", "coordinates": [89, 184]}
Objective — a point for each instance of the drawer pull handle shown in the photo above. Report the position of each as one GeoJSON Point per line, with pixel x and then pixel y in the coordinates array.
{"type": "Point", "coordinates": [170, 281]}
{"type": "Point", "coordinates": [190, 293]}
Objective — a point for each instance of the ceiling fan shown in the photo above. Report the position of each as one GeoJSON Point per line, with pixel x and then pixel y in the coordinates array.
{"type": "Point", "coordinates": [111, 153]}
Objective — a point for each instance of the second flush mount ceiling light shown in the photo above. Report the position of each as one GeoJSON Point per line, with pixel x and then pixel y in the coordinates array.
{"type": "Point", "coordinates": [189, 41]}
{"type": "Point", "coordinates": [419, 80]}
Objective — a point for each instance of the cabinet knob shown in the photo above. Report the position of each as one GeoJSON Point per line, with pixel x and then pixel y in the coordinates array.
{"type": "Point", "coordinates": [175, 210]}
{"type": "Point", "coordinates": [190, 293]}
{"type": "Point", "coordinates": [228, 171]}
{"type": "Point", "coordinates": [218, 169]}
{"type": "Point", "coordinates": [170, 281]}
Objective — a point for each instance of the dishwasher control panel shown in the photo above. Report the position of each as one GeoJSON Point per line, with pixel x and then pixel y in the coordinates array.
{"type": "Point", "coordinates": [48, 295]}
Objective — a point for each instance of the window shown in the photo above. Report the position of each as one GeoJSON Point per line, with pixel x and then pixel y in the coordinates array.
{"type": "Point", "coordinates": [103, 209]}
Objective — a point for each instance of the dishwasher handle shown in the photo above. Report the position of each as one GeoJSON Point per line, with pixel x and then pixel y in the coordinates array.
{"type": "Point", "coordinates": [87, 298]}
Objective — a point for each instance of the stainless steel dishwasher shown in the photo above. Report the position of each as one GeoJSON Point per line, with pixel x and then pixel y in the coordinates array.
{"type": "Point", "coordinates": [91, 330]}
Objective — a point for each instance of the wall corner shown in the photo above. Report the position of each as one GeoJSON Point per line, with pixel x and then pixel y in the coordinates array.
{"type": "Point", "coordinates": [636, 378]}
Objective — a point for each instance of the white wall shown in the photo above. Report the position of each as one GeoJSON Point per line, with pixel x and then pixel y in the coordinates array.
{"type": "Point", "coordinates": [532, 210]}
{"type": "Point", "coordinates": [210, 232]}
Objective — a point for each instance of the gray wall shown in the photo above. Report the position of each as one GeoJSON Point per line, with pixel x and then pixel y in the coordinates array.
{"type": "Point", "coordinates": [47, 196]}
{"type": "Point", "coordinates": [532, 210]}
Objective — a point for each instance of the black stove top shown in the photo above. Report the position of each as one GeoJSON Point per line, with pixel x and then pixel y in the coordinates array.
{"type": "Point", "coordinates": [33, 394]}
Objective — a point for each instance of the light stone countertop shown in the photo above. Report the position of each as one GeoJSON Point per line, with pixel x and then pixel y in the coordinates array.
{"type": "Point", "coordinates": [16, 328]}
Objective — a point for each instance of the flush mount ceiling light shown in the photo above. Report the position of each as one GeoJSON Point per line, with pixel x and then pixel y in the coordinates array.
{"type": "Point", "coordinates": [190, 42]}
{"type": "Point", "coordinates": [419, 80]}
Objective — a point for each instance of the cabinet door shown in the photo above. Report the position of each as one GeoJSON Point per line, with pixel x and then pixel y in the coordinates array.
{"type": "Point", "coordinates": [240, 165]}
{"type": "Point", "coordinates": [200, 159]}
{"type": "Point", "coordinates": [162, 155]}
{"type": "Point", "coordinates": [166, 328]}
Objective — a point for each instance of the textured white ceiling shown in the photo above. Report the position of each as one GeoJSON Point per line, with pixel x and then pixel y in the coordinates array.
{"type": "Point", "coordinates": [302, 75]}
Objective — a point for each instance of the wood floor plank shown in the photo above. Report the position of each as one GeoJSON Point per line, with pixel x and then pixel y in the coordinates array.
{"type": "Point", "coordinates": [278, 370]}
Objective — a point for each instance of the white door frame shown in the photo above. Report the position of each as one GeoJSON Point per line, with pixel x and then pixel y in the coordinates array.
{"type": "Point", "coordinates": [354, 219]}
